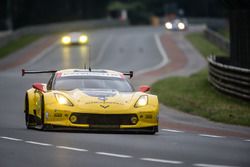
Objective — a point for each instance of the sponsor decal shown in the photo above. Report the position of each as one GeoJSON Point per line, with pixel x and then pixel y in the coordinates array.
{"type": "Point", "coordinates": [104, 106]}
{"type": "Point", "coordinates": [98, 74]}
{"type": "Point", "coordinates": [58, 115]}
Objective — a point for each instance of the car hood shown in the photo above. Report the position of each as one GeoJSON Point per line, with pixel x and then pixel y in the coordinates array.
{"type": "Point", "coordinates": [102, 99]}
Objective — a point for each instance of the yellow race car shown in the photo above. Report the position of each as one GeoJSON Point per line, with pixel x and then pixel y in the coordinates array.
{"type": "Point", "coordinates": [90, 100]}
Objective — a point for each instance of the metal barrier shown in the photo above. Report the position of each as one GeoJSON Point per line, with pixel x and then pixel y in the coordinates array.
{"type": "Point", "coordinates": [229, 79]}
{"type": "Point", "coordinates": [217, 39]}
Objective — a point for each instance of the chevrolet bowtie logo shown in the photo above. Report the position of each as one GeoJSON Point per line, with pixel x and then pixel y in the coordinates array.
{"type": "Point", "coordinates": [104, 106]}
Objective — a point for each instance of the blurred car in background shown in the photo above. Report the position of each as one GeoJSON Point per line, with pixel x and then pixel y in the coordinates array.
{"type": "Point", "coordinates": [74, 38]}
{"type": "Point", "coordinates": [177, 24]}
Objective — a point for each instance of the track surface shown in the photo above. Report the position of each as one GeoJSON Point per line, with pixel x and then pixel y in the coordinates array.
{"type": "Point", "coordinates": [120, 49]}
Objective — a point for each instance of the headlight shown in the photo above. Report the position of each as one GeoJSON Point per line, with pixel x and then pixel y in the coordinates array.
{"type": "Point", "coordinates": [83, 39]}
{"type": "Point", "coordinates": [142, 101]}
{"type": "Point", "coordinates": [181, 26]}
{"type": "Point", "coordinates": [61, 99]}
{"type": "Point", "coordinates": [169, 25]}
{"type": "Point", "coordinates": [66, 40]}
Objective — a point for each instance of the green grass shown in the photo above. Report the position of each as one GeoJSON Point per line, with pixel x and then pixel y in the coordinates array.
{"type": "Point", "coordinates": [225, 33]}
{"type": "Point", "coordinates": [196, 96]}
{"type": "Point", "coordinates": [205, 47]}
{"type": "Point", "coordinates": [17, 44]}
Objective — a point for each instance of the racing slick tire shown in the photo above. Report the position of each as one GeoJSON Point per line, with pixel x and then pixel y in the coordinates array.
{"type": "Point", "coordinates": [43, 127]}
{"type": "Point", "coordinates": [29, 119]}
{"type": "Point", "coordinates": [154, 130]}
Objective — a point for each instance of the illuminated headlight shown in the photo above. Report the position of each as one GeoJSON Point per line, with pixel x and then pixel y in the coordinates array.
{"type": "Point", "coordinates": [83, 39]}
{"type": "Point", "coordinates": [181, 26]}
{"type": "Point", "coordinates": [61, 99]}
{"type": "Point", "coordinates": [142, 101]}
{"type": "Point", "coordinates": [168, 25]}
{"type": "Point", "coordinates": [66, 40]}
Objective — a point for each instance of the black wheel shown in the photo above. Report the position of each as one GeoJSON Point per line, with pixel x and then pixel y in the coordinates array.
{"type": "Point", "coordinates": [154, 130]}
{"type": "Point", "coordinates": [29, 119]}
{"type": "Point", "coordinates": [43, 126]}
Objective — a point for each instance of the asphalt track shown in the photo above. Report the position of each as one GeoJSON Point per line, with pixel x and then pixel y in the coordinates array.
{"type": "Point", "coordinates": [120, 49]}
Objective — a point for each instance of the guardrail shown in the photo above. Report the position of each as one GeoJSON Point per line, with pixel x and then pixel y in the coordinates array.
{"type": "Point", "coordinates": [217, 39]}
{"type": "Point", "coordinates": [229, 79]}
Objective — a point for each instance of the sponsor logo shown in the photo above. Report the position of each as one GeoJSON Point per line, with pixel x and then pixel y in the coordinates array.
{"type": "Point", "coordinates": [104, 106]}
{"type": "Point", "coordinates": [103, 98]}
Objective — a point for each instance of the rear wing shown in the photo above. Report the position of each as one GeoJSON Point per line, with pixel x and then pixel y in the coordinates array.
{"type": "Point", "coordinates": [130, 74]}
{"type": "Point", "coordinates": [37, 72]}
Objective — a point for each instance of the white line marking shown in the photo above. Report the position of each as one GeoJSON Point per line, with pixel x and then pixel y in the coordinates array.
{"type": "Point", "coordinates": [213, 136]}
{"type": "Point", "coordinates": [71, 148]}
{"type": "Point", "coordinates": [163, 54]}
{"type": "Point", "coordinates": [10, 138]}
{"type": "Point", "coordinates": [38, 143]}
{"type": "Point", "coordinates": [41, 54]}
{"type": "Point", "coordinates": [211, 165]}
{"type": "Point", "coordinates": [161, 160]}
{"type": "Point", "coordinates": [248, 140]}
{"type": "Point", "coordinates": [172, 130]}
{"type": "Point", "coordinates": [114, 155]}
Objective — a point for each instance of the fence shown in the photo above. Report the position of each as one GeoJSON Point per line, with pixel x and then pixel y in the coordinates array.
{"type": "Point", "coordinates": [229, 79]}
{"type": "Point", "coordinates": [217, 39]}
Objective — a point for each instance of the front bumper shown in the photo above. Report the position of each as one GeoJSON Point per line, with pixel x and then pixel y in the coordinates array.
{"type": "Point", "coordinates": [94, 121]}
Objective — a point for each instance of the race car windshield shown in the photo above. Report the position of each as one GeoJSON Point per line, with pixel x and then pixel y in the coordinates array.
{"type": "Point", "coordinates": [71, 83]}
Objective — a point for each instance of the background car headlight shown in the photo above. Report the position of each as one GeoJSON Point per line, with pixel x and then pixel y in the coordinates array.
{"type": "Point", "coordinates": [181, 26]}
{"type": "Point", "coordinates": [142, 101]}
{"type": "Point", "coordinates": [169, 25]}
{"type": "Point", "coordinates": [61, 99]}
{"type": "Point", "coordinates": [66, 40]}
{"type": "Point", "coordinates": [83, 39]}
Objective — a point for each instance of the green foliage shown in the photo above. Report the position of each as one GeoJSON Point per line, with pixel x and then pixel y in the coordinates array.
{"type": "Point", "coordinates": [225, 33]}
{"type": "Point", "coordinates": [17, 44]}
{"type": "Point", "coordinates": [116, 5]}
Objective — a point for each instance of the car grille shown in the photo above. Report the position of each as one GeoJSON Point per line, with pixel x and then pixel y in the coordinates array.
{"type": "Point", "coordinates": [104, 119]}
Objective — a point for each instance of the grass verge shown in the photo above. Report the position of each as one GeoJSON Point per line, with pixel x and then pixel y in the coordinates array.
{"type": "Point", "coordinates": [196, 96]}
{"type": "Point", "coordinates": [17, 44]}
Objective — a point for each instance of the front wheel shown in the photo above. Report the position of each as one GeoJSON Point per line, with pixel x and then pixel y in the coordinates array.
{"type": "Point", "coordinates": [28, 121]}
{"type": "Point", "coordinates": [43, 126]}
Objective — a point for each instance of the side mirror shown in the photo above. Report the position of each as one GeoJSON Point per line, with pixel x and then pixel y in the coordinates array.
{"type": "Point", "coordinates": [144, 88]}
{"type": "Point", "coordinates": [39, 86]}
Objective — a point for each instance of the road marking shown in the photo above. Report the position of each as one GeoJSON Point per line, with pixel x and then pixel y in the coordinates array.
{"type": "Point", "coordinates": [163, 54]}
{"type": "Point", "coordinates": [11, 138]}
{"type": "Point", "coordinates": [38, 143]}
{"type": "Point", "coordinates": [71, 148]}
{"type": "Point", "coordinates": [213, 136]}
{"type": "Point", "coordinates": [211, 165]}
{"type": "Point", "coordinates": [41, 54]}
{"type": "Point", "coordinates": [114, 155]}
{"type": "Point", "coordinates": [161, 160]}
{"type": "Point", "coordinates": [172, 130]}
{"type": "Point", "coordinates": [248, 140]}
